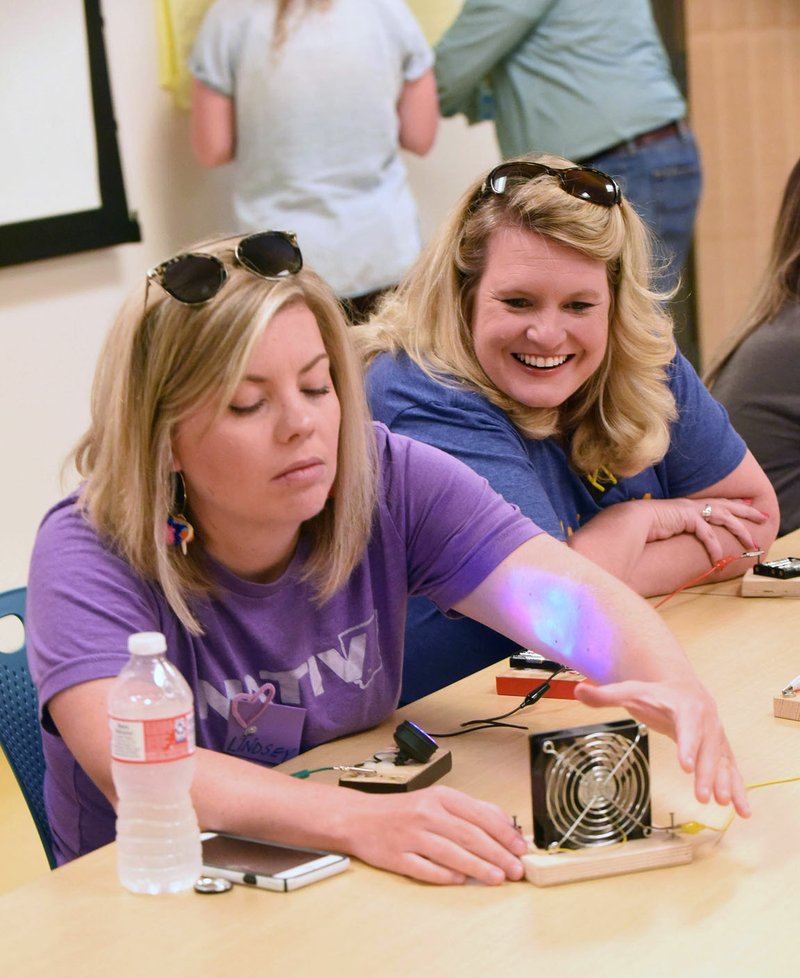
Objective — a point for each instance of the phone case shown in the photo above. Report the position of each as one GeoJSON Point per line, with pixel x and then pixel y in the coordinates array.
{"type": "Point", "coordinates": [247, 861]}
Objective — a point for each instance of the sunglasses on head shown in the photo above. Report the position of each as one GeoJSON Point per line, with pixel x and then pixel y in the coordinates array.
{"type": "Point", "coordinates": [583, 182]}
{"type": "Point", "coordinates": [194, 278]}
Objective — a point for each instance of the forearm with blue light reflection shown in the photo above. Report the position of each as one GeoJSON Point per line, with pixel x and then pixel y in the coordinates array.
{"type": "Point", "coordinates": [548, 598]}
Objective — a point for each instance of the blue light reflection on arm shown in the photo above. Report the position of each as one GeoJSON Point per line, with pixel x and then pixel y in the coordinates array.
{"type": "Point", "coordinates": [565, 619]}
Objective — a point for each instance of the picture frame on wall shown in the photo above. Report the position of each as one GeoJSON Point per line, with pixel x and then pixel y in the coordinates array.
{"type": "Point", "coordinates": [61, 183]}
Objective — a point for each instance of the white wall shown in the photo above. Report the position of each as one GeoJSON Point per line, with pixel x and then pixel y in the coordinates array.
{"type": "Point", "coordinates": [54, 313]}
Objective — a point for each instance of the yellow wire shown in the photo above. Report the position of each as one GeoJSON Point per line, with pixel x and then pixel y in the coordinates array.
{"type": "Point", "coordinates": [765, 784]}
{"type": "Point", "coordinates": [691, 827]}
{"type": "Point", "coordinates": [576, 852]}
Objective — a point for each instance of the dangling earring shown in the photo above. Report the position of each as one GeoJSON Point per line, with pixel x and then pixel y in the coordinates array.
{"type": "Point", "coordinates": [180, 531]}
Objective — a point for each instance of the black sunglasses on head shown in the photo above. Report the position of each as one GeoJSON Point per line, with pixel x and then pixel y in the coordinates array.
{"type": "Point", "coordinates": [583, 182]}
{"type": "Point", "coordinates": [194, 278]}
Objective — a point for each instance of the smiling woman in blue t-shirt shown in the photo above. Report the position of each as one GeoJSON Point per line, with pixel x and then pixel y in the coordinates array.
{"type": "Point", "coordinates": [526, 342]}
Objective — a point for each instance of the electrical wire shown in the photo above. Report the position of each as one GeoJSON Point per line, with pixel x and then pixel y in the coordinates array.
{"type": "Point", "coordinates": [684, 828]}
{"type": "Point", "coordinates": [721, 564]}
{"type": "Point", "coordinates": [349, 768]}
{"type": "Point", "coordinates": [489, 722]}
{"type": "Point", "coordinates": [306, 773]}
{"type": "Point", "coordinates": [693, 828]}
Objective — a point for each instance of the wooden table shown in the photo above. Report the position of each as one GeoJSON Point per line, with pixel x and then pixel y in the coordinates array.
{"type": "Point", "coordinates": [731, 912]}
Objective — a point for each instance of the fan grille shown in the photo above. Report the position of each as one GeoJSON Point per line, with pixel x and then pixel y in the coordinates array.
{"type": "Point", "coordinates": [591, 785]}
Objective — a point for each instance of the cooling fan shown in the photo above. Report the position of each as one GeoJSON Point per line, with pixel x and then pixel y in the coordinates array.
{"type": "Point", "coordinates": [591, 785]}
{"type": "Point", "coordinates": [591, 792]}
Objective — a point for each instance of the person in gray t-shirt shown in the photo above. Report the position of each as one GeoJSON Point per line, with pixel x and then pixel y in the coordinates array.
{"type": "Point", "coordinates": [314, 100]}
{"type": "Point", "coordinates": [756, 374]}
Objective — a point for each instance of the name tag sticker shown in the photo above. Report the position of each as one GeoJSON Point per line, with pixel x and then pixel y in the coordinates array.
{"type": "Point", "coordinates": [262, 730]}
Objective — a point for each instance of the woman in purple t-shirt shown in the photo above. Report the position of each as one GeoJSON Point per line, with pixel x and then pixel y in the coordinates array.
{"type": "Point", "coordinates": [237, 498]}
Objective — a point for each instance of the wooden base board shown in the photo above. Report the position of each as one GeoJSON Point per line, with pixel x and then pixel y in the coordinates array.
{"type": "Point", "coordinates": [549, 869]}
{"type": "Point", "coordinates": [384, 777]}
{"type": "Point", "coordinates": [786, 707]}
{"type": "Point", "coordinates": [756, 586]}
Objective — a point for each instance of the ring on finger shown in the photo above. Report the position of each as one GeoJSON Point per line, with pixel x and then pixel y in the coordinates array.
{"type": "Point", "coordinates": [706, 512]}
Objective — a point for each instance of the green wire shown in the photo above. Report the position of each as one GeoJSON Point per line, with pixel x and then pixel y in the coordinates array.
{"type": "Point", "coordinates": [306, 773]}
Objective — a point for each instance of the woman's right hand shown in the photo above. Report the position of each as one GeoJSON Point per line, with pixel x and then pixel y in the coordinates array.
{"type": "Point", "coordinates": [683, 709]}
{"type": "Point", "coordinates": [437, 835]}
{"type": "Point", "coordinates": [627, 539]}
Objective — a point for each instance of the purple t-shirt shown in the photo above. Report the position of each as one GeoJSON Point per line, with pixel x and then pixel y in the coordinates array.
{"type": "Point", "coordinates": [439, 531]}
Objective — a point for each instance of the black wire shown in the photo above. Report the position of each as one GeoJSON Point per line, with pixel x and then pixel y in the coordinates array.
{"type": "Point", "coordinates": [485, 726]}
{"type": "Point", "coordinates": [488, 722]}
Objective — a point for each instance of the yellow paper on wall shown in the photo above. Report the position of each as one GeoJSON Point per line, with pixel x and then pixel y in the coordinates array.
{"type": "Point", "coordinates": [435, 16]}
{"type": "Point", "coordinates": [177, 23]}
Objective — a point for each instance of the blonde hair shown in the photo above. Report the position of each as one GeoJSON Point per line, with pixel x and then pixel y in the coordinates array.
{"type": "Point", "coordinates": [159, 364]}
{"type": "Point", "coordinates": [620, 418]}
{"type": "Point", "coordinates": [780, 283]}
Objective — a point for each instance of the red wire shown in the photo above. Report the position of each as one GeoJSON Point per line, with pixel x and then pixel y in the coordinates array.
{"type": "Point", "coordinates": [721, 564]}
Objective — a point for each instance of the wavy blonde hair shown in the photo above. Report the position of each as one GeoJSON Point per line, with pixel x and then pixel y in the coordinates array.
{"type": "Point", "coordinates": [160, 363]}
{"type": "Point", "coordinates": [780, 283]}
{"type": "Point", "coordinates": [620, 418]}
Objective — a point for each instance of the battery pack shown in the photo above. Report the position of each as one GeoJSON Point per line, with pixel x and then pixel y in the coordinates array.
{"type": "Point", "coordinates": [520, 682]}
{"type": "Point", "coordinates": [759, 586]}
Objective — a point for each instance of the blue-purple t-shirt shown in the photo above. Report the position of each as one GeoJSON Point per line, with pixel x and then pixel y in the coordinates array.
{"type": "Point", "coordinates": [439, 531]}
{"type": "Point", "coordinates": [536, 475]}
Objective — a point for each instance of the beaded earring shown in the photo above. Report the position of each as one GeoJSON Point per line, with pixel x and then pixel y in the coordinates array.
{"type": "Point", "coordinates": [179, 530]}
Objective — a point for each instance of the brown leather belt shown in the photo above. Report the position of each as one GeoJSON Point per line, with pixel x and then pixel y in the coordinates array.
{"type": "Point", "coordinates": [663, 132]}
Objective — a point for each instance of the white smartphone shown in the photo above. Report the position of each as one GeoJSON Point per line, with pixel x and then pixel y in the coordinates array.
{"type": "Point", "coordinates": [266, 864]}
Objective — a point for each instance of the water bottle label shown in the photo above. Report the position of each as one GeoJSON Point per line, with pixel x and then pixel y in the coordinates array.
{"type": "Point", "coordinates": [152, 741]}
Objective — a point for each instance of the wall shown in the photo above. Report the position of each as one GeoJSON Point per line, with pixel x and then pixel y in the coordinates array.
{"type": "Point", "coordinates": [54, 313]}
{"type": "Point", "coordinates": [744, 89]}
{"type": "Point", "coordinates": [434, 15]}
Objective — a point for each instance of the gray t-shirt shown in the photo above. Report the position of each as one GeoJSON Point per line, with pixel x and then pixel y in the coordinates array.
{"type": "Point", "coordinates": [317, 148]}
{"type": "Point", "coordinates": [760, 387]}
{"type": "Point", "coordinates": [439, 530]}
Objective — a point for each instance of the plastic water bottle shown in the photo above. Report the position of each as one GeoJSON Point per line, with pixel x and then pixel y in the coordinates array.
{"type": "Point", "coordinates": [151, 715]}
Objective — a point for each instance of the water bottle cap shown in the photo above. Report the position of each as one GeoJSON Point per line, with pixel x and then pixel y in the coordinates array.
{"type": "Point", "coordinates": [147, 643]}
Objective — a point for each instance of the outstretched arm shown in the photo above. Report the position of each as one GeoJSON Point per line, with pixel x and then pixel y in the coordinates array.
{"type": "Point", "coordinates": [546, 597]}
{"type": "Point", "coordinates": [655, 545]}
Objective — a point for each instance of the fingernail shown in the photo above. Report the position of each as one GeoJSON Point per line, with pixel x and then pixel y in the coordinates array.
{"type": "Point", "coordinates": [517, 873]}
{"type": "Point", "coordinates": [765, 515]}
{"type": "Point", "coordinates": [748, 501]}
{"type": "Point", "coordinates": [519, 846]}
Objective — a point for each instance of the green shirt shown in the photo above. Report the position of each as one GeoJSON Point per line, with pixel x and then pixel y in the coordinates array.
{"type": "Point", "coordinates": [571, 77]}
